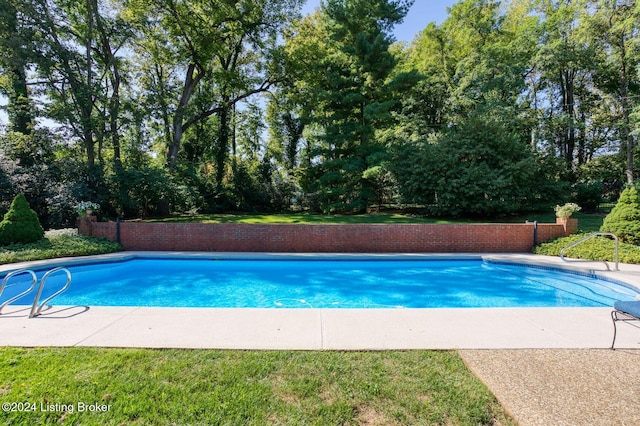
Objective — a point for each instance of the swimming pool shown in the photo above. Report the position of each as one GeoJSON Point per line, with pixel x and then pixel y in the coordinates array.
{"type": "Point", "coordinates": [323, 283]}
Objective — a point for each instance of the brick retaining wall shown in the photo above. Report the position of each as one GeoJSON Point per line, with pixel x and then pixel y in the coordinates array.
{"type": "Point", "coordinates": [351, 238]}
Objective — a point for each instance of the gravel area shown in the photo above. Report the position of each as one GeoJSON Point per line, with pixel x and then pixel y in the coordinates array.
{"type": "Point", "coordinates": [562, 387]}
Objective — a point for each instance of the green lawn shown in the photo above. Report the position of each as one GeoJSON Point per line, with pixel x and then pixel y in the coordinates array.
{"type": "Point", "coordinates": [149, 387]}
{"type": "Point", "coordinates": [587, 222]}
{"type": "Point", "coordinates": [305, 218]}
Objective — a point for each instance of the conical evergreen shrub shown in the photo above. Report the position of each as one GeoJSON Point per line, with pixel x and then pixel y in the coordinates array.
{"type": "Point", "coordinates": [624, 219]}
{"type": "Point", "coordinates": [20, 223]}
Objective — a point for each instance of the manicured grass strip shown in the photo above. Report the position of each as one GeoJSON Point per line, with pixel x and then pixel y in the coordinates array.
{"type": "Point", "coordinates": [250, 388]}
{"type": "Point", "coordinates": [587, 222]}
{"type": "Point", "coordinates": [306, 218]}
{"type": "Point", "coordinates": [57, 244]}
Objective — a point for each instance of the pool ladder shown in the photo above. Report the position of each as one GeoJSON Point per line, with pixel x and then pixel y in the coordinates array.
{"type": "Point", "coordinates": [35, 308]}
{"type": "Point", "coordinates": [588, 237]}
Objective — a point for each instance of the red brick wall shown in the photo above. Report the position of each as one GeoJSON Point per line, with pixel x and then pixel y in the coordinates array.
{"type": "Point", "coordinates": [365, 238]}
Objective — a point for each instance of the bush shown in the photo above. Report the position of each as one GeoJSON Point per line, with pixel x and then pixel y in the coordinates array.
{"type": "Point", "coordinates": [589, 195]}
{"type": "Point", "coordinates": [624, 219]}
{"type": "Point", "coordinates": [566, 210]}
{"type": "Point", "coordinates": [59, 243]}
{"type": "Point", "coordinates": [598, 248]}
{"type": "Point", "coordinates": [20, 224]}
{"type": "Point", "coordinates": [483, 166]}
{"type": "Point", "coordinates": [138, 192]}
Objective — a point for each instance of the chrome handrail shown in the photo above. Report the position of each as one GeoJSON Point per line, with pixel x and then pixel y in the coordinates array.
{"type": "Point", "coordinates": [588, 237]}
{"type": "Point", "coordinates": [35, 309]}
{"type": "Point", "coordinates": [24, 293]}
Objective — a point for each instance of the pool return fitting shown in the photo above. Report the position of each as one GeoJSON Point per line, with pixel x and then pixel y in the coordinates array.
{"type": "Point", "coordinates": [35, 308]}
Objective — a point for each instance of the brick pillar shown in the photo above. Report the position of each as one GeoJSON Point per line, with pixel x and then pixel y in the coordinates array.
{"type": "Point", "coordinates": [85, 225]}
{"type": "Point", "coordinates": [570, 225]}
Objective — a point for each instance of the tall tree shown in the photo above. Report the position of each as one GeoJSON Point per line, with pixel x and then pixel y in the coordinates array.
{"type": "Point", "coordinates": [225, 48]}
{"type": "Point", "coordinates": [112, 33]}
{"type": "Point", "coordinates": [352, 85]}
{"type": "Point", "coordinates": [615, 29]}
{"type": "Point", "coordinates": [15, 51]}
{"type": "Point", "coordinates": [565, 63]}
{"type": "Point", "coordinates": [70, 74]}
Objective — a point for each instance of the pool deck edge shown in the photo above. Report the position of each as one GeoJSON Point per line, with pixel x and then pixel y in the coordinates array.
{"type": "Point", "coordinates": [316, 329]}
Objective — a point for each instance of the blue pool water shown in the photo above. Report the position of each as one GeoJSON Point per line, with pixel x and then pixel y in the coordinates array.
{"type": "Point", "coordinates": [325, 284]}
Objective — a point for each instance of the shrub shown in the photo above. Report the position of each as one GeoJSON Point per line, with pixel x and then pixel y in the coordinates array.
{"type": "Point", "coordinates": [598, 248]}
{"type": "Point", "coordinates": [20, 223]}
{"type": "Point", "coordinates": [589, 195]}
{"type": "Point", "coordinates": [483, 166]}
{"type": "Point", "coordinates": [59, 243]}
{"type": "Point", "coordinates": [138, 192]}
{"type": "Point", "coordinates": [624, 219]}
{"type": "Point", "coordinates": [566, 210]}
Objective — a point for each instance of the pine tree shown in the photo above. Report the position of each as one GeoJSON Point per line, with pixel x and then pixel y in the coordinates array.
{"type": "Point", "coordinates": [624, 219]}
{"type": "Point", "coordinates": [20, 223]}
{"type": "Point", "coordinates": [355, 97]}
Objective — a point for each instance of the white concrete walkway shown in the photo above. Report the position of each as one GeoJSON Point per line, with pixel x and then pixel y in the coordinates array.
{"type": "Point", "coordinates": [316, 329]}
{"type": "Point", "coordinates": [324, 329]}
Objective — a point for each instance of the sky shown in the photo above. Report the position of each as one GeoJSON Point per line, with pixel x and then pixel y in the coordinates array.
{"type": "Point", "coordinates": [420, 15]}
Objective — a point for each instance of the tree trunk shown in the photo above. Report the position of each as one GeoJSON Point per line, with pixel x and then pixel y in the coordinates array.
{"type": "Point", "coordinates": [223, 142]}
{"type": "Point", "coordinates": [19, 106]}
{"type": "Point", "coordinates": [190, 84]}
{"type": "Point", "coordinates": [624, 102]}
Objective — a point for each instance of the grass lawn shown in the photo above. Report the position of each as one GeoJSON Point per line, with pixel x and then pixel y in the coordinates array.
{"type": "Point", "coordinates": [587, 222]}
{"type": "Point", "coordinates": [305, 218]}
{"type": "Point", "coordinates": [243, 388]}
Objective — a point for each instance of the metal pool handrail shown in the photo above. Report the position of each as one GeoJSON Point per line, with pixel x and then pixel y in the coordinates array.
{"type": "Point", "coordinates": [24, 293]}
{"type": "Point", "coordinates": [588, 237]}
{"type": "Point", "coordinates": [35, 309]}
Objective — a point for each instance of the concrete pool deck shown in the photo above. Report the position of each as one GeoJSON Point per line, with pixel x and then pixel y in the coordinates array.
{"type": "Point", "coordinates": [316, 329]}
{"type": "Point", "coordinates": [323, 329]}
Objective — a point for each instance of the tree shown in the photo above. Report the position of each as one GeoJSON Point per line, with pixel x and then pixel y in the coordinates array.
{"type": "Point", "coordinates": [20, 223]}
{"type": "Point", "coordinates": [15, 53]}
{"type": "Point", "coordinates": [566, 92]}
{"type": "Point", "coordinates": [624, 218]}
{"type": "Point", "coordinates": [227, 49]}
{"type": "Point", "coordinates": [615, 28]}
{"type": "Point", "coordinates": [351, 82]}
{"type": "Point", "coordinates": [484, 166]}
{"type": "Point", "coordinates": [76, 68]}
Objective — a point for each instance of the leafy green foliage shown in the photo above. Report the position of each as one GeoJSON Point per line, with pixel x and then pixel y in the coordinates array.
{"type": "Point", "coordinates": [139, 190]}
{"type": "Point", "coordinates": [598, 248]}
{"type": "Point", "coordinates": [481, 167]}
{"type": "Point", "coordinates": [60, 243]}
{"type": "Point", "coordinates": [20, 223]}
{"type": "Point", "coordinates": [624, 219]}
{"type": "Point", "coordinates": [157, 84]}
{"type": "Point", "coordinates": [353, 82]}
{"type": "Point", "coordinates": [589, 195]}
{"type": "Point", "coordinates": [566, 210]}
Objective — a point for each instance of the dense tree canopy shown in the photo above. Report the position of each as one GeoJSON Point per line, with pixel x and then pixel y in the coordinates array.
{"type": "Point", "coordinates": [220, 105]}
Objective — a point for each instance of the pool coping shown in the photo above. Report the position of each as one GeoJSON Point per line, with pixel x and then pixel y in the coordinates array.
{"type": "Point", "coordinates": [322, 329]}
